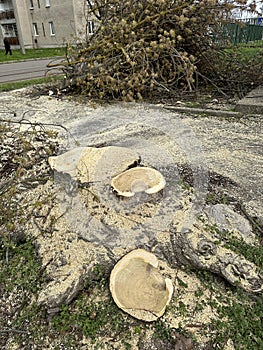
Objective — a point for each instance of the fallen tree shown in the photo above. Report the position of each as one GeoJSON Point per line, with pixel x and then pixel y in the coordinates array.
{"type": "Point", "coordinates": [140, 46]}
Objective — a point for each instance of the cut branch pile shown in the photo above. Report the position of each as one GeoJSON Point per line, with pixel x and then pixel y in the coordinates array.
{"type": "Point", "coordinates": [144, 45]}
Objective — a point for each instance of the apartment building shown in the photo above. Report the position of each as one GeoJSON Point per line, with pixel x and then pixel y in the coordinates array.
{"type": "Point", "coordinates": [43, 23]}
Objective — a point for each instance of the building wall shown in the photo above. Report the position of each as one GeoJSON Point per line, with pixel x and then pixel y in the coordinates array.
{"type": "Point", "coordinates": [46, 23]}
{"type": "Point", "coordinates": [60, 15]}
{"type": "Point", "coordinates": [80, 9]}
{"type": "Point", "coordinates": [23, 22]}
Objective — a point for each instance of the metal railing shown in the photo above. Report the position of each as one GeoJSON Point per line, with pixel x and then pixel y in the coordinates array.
{"type": "Point", "coordinates": [238, 33]}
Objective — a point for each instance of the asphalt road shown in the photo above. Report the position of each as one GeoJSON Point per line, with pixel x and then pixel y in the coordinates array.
{"type": "Point", "coordinates": [30, 69]}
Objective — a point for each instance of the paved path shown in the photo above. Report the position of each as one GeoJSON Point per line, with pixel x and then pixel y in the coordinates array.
{"type": "Point", "coordinates": [29, 69]}
{"type": "Point", "coordinates": [252, 103]}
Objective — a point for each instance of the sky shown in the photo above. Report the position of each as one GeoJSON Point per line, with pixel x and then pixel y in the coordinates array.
{"type": "Point", "coordinates": [259, 6]}
{"type": "Point", "coordinates": [259, 9]}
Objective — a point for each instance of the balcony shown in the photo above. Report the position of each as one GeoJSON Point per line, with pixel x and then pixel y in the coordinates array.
{"type": "Point", "coordinates": [7, 15]}
{"type": "Point", "coordinates": [13, 40]}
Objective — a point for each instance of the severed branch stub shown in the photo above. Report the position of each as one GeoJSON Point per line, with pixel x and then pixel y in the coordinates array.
{"type": "Point", "coordinates": [138, 288]}
{"type": "Point", "coordinates": [138, 179]}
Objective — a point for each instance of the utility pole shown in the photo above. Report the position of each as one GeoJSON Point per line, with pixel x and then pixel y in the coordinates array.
{"type": "Point", "coordinates": [18, 26]}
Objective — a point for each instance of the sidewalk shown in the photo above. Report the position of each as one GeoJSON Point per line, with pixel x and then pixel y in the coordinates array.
{"type": "Point", "coordinates": [252, 103]}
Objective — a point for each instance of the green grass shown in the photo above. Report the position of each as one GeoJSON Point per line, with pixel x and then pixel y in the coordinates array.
{"type": "Point", "coordinates": [32, 53]}
{"type": "Point", "coordinates": [244, 324]}
{"type": "Point", "coordinates": [24, 83]}
{"type": "Point", "coordinates": [245, 51]}
{"type": "Point", "coordinates": [250, 52]}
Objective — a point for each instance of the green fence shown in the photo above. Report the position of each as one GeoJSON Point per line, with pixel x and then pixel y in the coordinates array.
{"type": "Point", "coordinates": [236, 33]}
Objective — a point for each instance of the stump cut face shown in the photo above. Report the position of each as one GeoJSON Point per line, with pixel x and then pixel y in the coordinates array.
{"type": "Point", "coordinates": [138, 288]}
{"type": "Point", "coordinates": [138, 179]}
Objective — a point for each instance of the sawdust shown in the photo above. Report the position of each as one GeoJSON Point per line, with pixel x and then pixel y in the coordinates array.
{"type": "Point", "coordinates": [230, 148]}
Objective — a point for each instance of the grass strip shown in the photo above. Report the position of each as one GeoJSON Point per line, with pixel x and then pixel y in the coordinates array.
{"type": "Point", "coordinates": [25, 83]}
{"type": "Point", "coordinates": [32, 54]}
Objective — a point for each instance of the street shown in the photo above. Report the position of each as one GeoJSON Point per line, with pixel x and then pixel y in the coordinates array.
{"type": "Point", "coordinates": [29, 69]}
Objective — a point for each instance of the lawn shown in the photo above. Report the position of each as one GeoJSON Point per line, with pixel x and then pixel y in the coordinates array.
{"type": "Point", "coordinates": [32, 53]}
{"type": "Point", "coordinates": [246, 52]}
{"type": "Point", "coordinates": [24, 83]}
{"type": "Point", "coordinates": [250, 52]}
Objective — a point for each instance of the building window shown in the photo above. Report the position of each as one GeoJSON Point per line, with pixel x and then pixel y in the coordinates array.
{"type": "Point", "coordinates": [38, 3]}
{"type": "Point", "coordinates": [47, 3]}
{"type": "Point", "coordinates": [51, 28]}
{"type": "Point", "coordinates": [36, 33]}
{"type": "Point", "coordinates": [91, 27]}
{"type": "Point", "coordinates": [31, 4]}
{"type": "Point", "coordinates": [9, 30]}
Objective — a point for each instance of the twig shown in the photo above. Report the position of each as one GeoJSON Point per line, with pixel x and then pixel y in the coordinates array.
{"type": "Point", "coordinates": [5, 185]}
{"type": "Point", "coordinates": [13, 330]}
{"type": "Point", "coordinates": [7, 251]}
{"type": "Point", "coordinates": [163, 86]}
{"type": "Point", "coordinates": [27, 122]}
{"type": "Point", "coordinates": [43, 269]}
{"type": "Point", "coordinates": [193, 325]}
{"type": "Point", "coordinates": [210, 81]}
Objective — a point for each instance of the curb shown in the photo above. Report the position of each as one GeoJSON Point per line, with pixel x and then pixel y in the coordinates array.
{"type": "Point", "coordinates": [209, 112]}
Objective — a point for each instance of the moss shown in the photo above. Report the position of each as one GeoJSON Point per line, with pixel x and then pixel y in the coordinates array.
{"type": "Point", "coordinates": [89, 318]}
{"type": "Point", "coordinates": [93, 313]}
{"type": "Point", "coordinates": [243, 325]}
{"type": "Point", "coordinates": [21, 277]}
{"type": "Point", "coordinates": [253, 253]}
